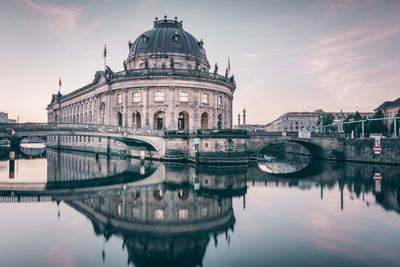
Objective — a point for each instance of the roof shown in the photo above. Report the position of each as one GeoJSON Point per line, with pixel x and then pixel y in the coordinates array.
{"type": "Point", "coordinates": [167, 36]}
{"type": "Point", "coordinates": [389, 104]}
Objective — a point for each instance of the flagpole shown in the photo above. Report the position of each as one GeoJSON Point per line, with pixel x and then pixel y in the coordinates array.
{"type": "Point", "coordinates": [105, 57]}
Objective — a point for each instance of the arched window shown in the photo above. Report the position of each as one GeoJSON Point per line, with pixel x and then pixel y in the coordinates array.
{"type": "Point", "coordinates": [136, 120]}
{"type": "Point", "coordinates": [204, 120]}
{"type": "Point", "coordinates": [158, 122]}
{"type": "Point", "coordinates": [183, 120]}
{"type": "Point", "coordinates": [119, 119]}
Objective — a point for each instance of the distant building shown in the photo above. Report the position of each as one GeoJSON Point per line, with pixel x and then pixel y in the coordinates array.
{"type": "Point", "coordinates": [252, 127]}
{"type": "Point", "coordinates": [294, 122]}
{"type": "Point", "coordinates": [389, 108]}
{"type": "Point", "coordinates": [341, 116]}
{"type": "Point", "coordinates": [4, 118]}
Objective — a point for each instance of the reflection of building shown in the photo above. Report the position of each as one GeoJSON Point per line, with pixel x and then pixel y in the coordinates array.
{"type": "Point", "coordinates": [160, 225]}
{"type": "Point", "coordinates": [294, 121]}
{"type": "Point", "coordinates": [165, 83]}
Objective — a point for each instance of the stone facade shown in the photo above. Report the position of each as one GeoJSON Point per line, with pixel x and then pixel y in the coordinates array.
{"type": "Point", "coordinates": [162, 86]}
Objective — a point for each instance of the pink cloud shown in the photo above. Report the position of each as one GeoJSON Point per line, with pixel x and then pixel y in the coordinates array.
{"type": "Point", "coordinates": [57, 19]}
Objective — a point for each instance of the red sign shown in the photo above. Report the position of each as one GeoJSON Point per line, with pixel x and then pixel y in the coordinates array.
{"type": "Point", "coordinates": [11, 132]}
{"type": "Point", "coordinates": [283, 133]}
{"type": "Point", "coordinates": [378, 182]}
{"type": "Point", "coordinates": [377, 145]}
{"type": "Point", "coordinates": [125, 134]}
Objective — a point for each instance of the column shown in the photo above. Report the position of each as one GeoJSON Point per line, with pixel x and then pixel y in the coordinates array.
{"type": "Point", "coordinates": [108, 107]}
{"type": "Point", "coordinates": [214, 111]}
{"type": "Point", "coordinates": [231, 111]}
{"type": "Point", "coordinates": [145, 112]}
{"type": "Point", "coordinates": [171, 124]}
{"type": "Point", "coordinates": [125, 108]}
{"type": "Point", "coordinates": [196, 109]}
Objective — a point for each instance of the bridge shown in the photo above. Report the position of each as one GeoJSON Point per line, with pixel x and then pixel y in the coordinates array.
{"type": "Point", "coordinates": [205, 146]}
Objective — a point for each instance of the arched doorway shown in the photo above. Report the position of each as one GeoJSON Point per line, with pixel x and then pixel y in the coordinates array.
{"type": "Point", "coordinates": [119, 119]}
{"type": "Point", "coordinates": [219, 121]}
{"type": "Point", "coordinates": [204, 120]}
{"type": "Point", "coordinates": [183, 120]}
{"type": "Point", "coordinates": [136, 120]}
{"type": "Point", "coordinates": [158, 122]}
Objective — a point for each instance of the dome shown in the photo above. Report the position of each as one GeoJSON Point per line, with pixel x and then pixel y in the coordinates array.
{"type": "Point", "coordinates": [167, 36]}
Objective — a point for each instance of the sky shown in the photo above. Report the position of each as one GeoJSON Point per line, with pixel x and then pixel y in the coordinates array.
{"type": "Point", "coordinates": [286, 55]}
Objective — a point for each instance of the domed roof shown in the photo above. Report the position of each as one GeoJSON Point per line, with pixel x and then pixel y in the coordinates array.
{"type": "Point", "coordinates": [167, 36]}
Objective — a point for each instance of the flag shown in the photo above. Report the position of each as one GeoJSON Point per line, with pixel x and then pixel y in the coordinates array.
{"type": "Point", "coordinates": [59, 82]}
{"type": "Point", "coordinates": [105, 51]}
{"type": "Point", "coordinates": [229, 65]}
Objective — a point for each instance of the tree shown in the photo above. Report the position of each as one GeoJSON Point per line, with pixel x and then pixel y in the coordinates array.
{"type": "Point", "coordinates": [377, 126]}
{"type": "Point", "coordinates": [327, 118]}
{"type": "Point", "coordinates": [356, 127]}
{"type": "Point", "coordinates": [397, 123]}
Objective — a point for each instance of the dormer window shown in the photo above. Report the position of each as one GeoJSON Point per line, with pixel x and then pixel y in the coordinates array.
{"type": "Point", "coordinates": [200, 44]}
{"type": "Point", "coordinates": [176, 37]}
{"type": "Point", "coordinates": [145, 38]}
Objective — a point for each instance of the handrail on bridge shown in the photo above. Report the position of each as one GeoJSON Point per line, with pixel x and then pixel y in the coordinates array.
{"type": "Point", "coordinates": [340, 125]}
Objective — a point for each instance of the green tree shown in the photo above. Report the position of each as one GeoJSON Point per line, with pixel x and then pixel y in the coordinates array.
{"type": "Point", "coordinates": [356, 127]}
{"type": "Point", "coordinates": [327, 118]}
{"type": "Point", "coordinates": [377, 126]}
{"type": "Point", "coordinates": [397, 123]}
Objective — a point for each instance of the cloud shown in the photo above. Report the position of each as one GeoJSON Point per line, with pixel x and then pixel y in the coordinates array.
{"type": "Point", "coordinates": [352, 66]}
{"type": "Point", "coordinates": [57, 19]}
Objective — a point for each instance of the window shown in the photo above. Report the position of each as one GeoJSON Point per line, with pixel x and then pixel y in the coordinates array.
{"type": "Point", "coordinates": [176, 37]}
{"type": "Point", "coordinates": [177, 65]}
{"type": "Point", "coordinates": [119, 99]}
{"type": "Point", "coordinates": [219, 100]}
{"type": "Point", "coordinates": [204, 212]}
{"type": "Point", "coordinates": [183, 96]}
{"type": "Point", "coordinates": [158, 214]}
{"type": "Point", "coordinates": [183, 214]}
{"type": "Point", "coordinates": [204, 98]}
{"type": "Point", "coordinates": [159, 96]}
{"type": "Point", "coordinates": [136, 97]}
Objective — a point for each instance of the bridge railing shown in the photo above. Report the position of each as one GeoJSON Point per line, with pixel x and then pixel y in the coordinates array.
{"type": "Point", "coordinates": [25, 127]}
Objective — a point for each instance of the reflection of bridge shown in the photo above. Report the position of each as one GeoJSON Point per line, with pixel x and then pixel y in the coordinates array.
{"type": "Point", "coordinates": [214, 146]}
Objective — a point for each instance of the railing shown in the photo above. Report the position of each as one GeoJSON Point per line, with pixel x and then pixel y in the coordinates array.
{"type": "Point", "coordinates": [26, 127]}
{"type": "Point", "coordinates": [338, 127]}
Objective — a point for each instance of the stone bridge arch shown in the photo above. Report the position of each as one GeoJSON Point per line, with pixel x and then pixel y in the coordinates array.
{"type": "Point", "coordinates": [256, 145]}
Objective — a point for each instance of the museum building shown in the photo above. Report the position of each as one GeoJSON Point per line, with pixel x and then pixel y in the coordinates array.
{"type": "Point", "coordinates": [166, 84]}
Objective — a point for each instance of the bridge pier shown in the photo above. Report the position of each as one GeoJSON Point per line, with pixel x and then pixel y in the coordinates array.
{"type": "Point", "coordinates": [15, 144]}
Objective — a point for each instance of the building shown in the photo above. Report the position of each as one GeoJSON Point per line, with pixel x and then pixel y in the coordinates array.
{"type": "Point", "coordinates": [165, 84]}
{"type": "Point", "coordinates": [4, 118]}
{"type": "Point", "coordinates": [294, 122]}
{"type": "Point", "coordinates": [389, 108]}
{"type": "Point", "coordinates": [341, 116]}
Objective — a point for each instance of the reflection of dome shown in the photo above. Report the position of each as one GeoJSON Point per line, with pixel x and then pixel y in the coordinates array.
{"type": "Point", "coordinates": [167, 36]}
{"type": "Point", "coordinates": [153, 233]}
